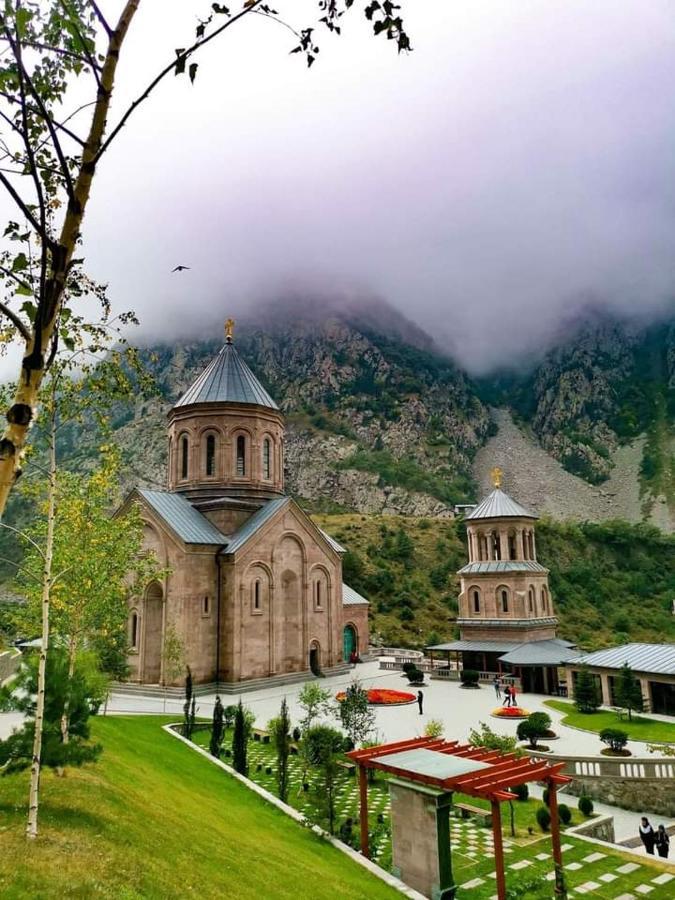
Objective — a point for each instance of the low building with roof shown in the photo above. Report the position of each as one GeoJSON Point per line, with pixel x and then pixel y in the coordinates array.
{"type": "Point", "coordinates": [506, 618]}
{"type": "Point", "coordinates": [652, 664]}
{"type": "Point", "coordinates": [253, 587]}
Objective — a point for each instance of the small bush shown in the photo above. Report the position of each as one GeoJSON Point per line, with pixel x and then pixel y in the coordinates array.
{"type": "Point", "coordinates": [585, 805]}
{"type": "Point", "coordinates": [409, 667]}
{"type": "Point", "coordinates": [434, 728]}
{"type": "Point", "coordinates": [565, 814]}
{"type": "Point", "coordinates": [615, 738]}
{"type": "Point", "coordinates": [543, 818]}
{"type": "Point", "coordinates": [521, 791]}
{"type": "Point", "coordinates": [415, 676]}
{"type": "Point", "coordinates": [469, 677]}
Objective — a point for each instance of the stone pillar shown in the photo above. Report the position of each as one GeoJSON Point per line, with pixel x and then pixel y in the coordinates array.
{"type": "Point", "coordinates": [646, 694]}
{"type": "Point", "coordinates": [420, 831]}
{"type": "Point", "coordinates": [504, 543]}
{"type": "Point", "coordinates": [520, 550]}
{"type": "Point", "coordinates": [606, 693]}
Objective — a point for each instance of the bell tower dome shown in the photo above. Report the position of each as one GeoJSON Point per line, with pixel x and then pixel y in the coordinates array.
{"type": "Point", "coordinates": [226, 435]}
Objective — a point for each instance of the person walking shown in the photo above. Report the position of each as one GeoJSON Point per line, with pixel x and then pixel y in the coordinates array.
{"type": "Point", "coordinates": [662, 842]}
{"type": "Point", "coordinates": [513, 695]}
{"type": "Point", "coordinates": [647, 835]}
{"type": "Point", "coordinates": [497, 685]}
{"type": "Point", "coordinates": [420, 701]}
{"type": "Point", "coordinates": [507, 696]}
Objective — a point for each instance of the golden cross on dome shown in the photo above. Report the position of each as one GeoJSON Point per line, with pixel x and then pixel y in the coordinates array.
{"type": "Point", "coordinates": [496, 475]}
{"type": "Point", "coordinates": [229, 330]}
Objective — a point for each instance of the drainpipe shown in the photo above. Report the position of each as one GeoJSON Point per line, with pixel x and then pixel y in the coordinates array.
{"type": "Point", "coordinates": [218, 593]}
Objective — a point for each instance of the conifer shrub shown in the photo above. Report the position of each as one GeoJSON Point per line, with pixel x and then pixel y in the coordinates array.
{"type": "Point", "coordinates": [469, 678]}
{"type": "Point", "coordinates": [585, 805]}
{"type": "Point", "coordinates": [543, 818]}
{"type": "Point", "coordinates": [565, 814]}
{"type": "Point", "coordinates": [521, 791]}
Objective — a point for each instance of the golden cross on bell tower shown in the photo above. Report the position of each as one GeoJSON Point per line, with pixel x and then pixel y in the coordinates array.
{"type": "Point", "coordinates": [496, 475]}
{"type": "Point", "coordinates": [229, 330]}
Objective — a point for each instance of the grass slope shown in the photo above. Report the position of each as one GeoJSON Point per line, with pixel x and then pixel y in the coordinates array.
{"type": "Point", "coordinates": [640, 728]}
{"type": "Point", "coordinates": [154, 820]}
{"type": "Point", "coordinates": [611, 582]}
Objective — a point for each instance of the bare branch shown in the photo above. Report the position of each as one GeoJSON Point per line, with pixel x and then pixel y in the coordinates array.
{"type": "Point", "coordinates": [99, 15]}
{"type": "Point", "coordinates": [170, 68]}
{"type": "Point", "coordinates": [10, 314]}
{"type": "Point", "coordinates": [23, 536]}
{"type": "Point", "coordinates": [86, 60]}
{"type": "Point", "coordinates": [24, 209]}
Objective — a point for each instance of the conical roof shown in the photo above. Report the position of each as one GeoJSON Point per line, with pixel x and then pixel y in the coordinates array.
{"type": "Point", "coordinates": [499, 505]}
{"type": "Point", "coordinates": [227, 380]}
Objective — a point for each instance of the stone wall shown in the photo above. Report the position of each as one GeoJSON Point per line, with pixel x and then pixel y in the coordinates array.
{"type": "Point", "coordinates": [655, 794]}
{"type": "Point", "coordinates": [600, 828]}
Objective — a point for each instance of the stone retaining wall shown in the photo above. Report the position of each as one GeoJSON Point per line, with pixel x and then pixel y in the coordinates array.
{"type": "Point", "coordinates": [638, 794]}
{"type": "Point", "coordinates": [600, 828]}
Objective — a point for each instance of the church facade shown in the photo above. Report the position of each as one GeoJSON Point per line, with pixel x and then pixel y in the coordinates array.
{"type": "Point", "coordinates": [254, 588]}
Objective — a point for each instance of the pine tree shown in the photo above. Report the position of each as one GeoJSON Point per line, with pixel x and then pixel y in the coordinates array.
{"type": "Point", "coordinates": [586, 693]}
{"type": "Point", "coordinates": [240, 741]}
{"type": "Point", "coordinates": [282, 727]}
{"type": "Point", "coordinates": [217, 729]}
{"type": "Point", "coordinates": [627, 692]}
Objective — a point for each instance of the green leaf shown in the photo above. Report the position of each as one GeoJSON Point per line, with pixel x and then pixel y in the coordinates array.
{"type": "Point", "coordinates": [20, 262]}
{"type": "Point", "coordinates": [24, 290]}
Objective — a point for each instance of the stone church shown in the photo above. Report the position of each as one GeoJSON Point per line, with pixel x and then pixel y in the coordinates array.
{"type": "Point", "coordinates": [507, 622]}
{"type": "Point", "coordinates": [255, 588]}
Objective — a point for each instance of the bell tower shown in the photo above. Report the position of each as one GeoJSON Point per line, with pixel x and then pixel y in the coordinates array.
{"type": "Point", "coordinates": [226, 436]}
{"type": "Point", "coordinates": [504, 588]}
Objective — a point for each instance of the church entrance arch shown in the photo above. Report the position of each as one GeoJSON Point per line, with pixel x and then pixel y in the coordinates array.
{"type": "Point", "coordinates": [152, 643]}
{"type": "Point", "coordinates": [349, 643]}
{"type": "Point", "coordinates": [315, 658]}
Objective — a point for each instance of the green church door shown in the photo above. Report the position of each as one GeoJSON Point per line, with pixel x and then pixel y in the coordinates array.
{"type": "Point", "coordinates": [348, 642]}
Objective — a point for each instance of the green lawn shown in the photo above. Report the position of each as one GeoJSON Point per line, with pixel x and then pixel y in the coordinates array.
{"type": "Point", "coordinates": [154, 820]}
{"type": "Point", "coordinates": [639, 729]}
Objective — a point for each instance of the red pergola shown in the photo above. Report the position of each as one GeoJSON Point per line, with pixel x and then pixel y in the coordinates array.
{"type": "Point", "coordinates": [503, 771]}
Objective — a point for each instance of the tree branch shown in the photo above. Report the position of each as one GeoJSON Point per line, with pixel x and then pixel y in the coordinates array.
{"type": "Point", "coordinates": [12, 316]}
{"type": "Point", "coordinates": [99, 15]}
{"type": "Point", "coordinates": [24, 209]}
{"type": "Point", "coordinates": [92, 62]}
{"type": "Point", "coordinates": [170, 68]}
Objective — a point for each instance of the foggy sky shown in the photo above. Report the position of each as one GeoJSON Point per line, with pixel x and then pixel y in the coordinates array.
{"type": "Point", "coordinates": [516, 168]}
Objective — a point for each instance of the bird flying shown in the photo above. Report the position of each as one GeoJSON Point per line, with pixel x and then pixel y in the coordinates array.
{"type": "Point", "coordinates": [180, 268]}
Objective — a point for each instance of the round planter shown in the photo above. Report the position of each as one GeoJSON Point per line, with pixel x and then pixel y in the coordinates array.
{"type": "Point", "coordinates": [617, 754]}
{"type": "Point", "coordinates": [384, 697]}
{"type": "Point", "coordinates": [470, 687]}
{"type": "Point", "coordinates": [513, 713]}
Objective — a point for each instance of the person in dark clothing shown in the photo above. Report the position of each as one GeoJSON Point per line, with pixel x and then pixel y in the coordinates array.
{"type": "Point", "coordinates": [647, 835]}
{"type": "Point", "coordinates": [507, 696]}
{"type": "Point", "coordinates": [420, 701]}
{"type": "Point", "coordinates": [497, 686]}
{"type": "Point", "coordinates": [662, 842]}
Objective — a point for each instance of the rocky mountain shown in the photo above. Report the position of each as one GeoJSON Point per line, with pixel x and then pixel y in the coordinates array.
{"type": "Point", "coordinates": [379, 421]}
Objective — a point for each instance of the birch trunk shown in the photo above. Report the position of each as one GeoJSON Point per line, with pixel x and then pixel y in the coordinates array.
{"type": "Point", "coordinates": [65, 716]}
{"type": "Point", "coordinates": [32, 826]}
{"type": "Point", "coordinates": [61, 256]}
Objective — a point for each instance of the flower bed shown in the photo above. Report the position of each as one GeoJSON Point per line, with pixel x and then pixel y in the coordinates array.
{"type": "Point", "coordinates": [510, 712]}
{"type": "Point", "coordinates": [384, 697]}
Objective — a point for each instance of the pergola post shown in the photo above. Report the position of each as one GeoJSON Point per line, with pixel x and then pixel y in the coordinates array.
{"type": "Point", "coordinates": [499, 848]}
{"type": "Point", "coordinates": [363, 810]}
{"type": "Point", "coordinates": [560, 888]}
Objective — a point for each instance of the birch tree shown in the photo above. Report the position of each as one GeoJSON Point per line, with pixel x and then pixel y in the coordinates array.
{"type": "Point", "coordinates": [59, 62]}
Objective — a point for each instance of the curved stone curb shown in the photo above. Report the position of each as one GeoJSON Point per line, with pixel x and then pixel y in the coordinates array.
{"type": "Point", "coordinates": [368, 864]}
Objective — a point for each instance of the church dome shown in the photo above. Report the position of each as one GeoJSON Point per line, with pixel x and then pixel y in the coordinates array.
{"type": "Point", "coordinates": [227, 379]}
{"type": "Point", "coordinates": [498, 505]}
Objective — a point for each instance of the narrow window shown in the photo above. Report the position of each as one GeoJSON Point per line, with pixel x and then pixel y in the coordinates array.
{"type": "Point", "coordinates": [512, 546]}
{"type": "Point", "coordinates": [318, 595]}
{"type": "Point", "coordinates": [530, 595]}
{"type": "Point", "coordinates": [543, 599]}
{"type": "Point", "coordinates": [134, 631]}
{"type": "Point", "coordinates": [241, 456]}
{"type": "Point", "coordinates": [256, 595]}
{"type": "Point", "coordinates": [266, 458]}
{"type": "Point", "coordinates": [505, 601]}
{"type": "Point", "coordinates": [476, 602]}
{"type": "Point", "coordinates": [211, 455]}
{"type": "Point", "coordinates": [205, 606]}
{"type": "Point", "coordinates": [184, 457]}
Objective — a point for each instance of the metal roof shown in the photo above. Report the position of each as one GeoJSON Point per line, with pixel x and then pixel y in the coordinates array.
{"type": "Point", "coordinates": [499, 505]}
{"type": "Point", "coordinates": [477, 646]}
{"type": "Point", "coordinates": [237, 540]}
{"type": "Point", "coordinates": [539, 653]}
{"type": "Point", "coordinates": [227, 379]}
{"type": "Point", "coordinates": [181, 516]}
{"type": "Point", "coordinates": [420, 761]}
{"type": "Point", "coordinates": [499, 565]}
{"type": "Point", "coordinates": [334, 544]}
{"type": "Point", "coordinates": [350, 597]}
{"type": "Point", "coordinates": [658, 659]}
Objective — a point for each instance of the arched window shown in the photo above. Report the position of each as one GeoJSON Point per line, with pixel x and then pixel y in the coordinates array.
{"type": "Point", "coordinates": [512, 545]}
{"type": "Point", "coordinates": [530, 600]}
{"type": "Point", "coordinates": [184, 456]}
{"type": "Point", "coordinates": [133, 631]}
{"type": "Point", "coordinates": [266, 458]}
{"type": "Point", "coordinates": [544, 600]}
{"type": "Point", "coordinates": [504, 597]}
{"type": "Point", "coordinates": [319, 598]}
{"type": "Point", "coordinates": [496, 548]}
{"type": "Point", "coordinates": [241, 456]}
{"type": "Point", "coordinates": [256, 595]}
{"type": "Point", "coordinates": [211, 454]}
{"type": "Point", "coordinates": [475, 596]}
